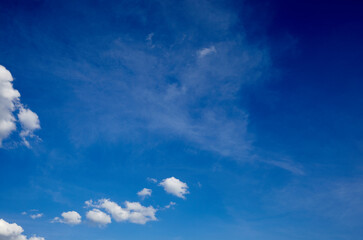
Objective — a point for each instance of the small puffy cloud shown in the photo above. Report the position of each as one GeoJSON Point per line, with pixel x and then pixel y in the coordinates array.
{"type": "Point", "coordinates": [28, 119]}
{"type": "Point", "coordinates": [29, 122]}
{"type": "Point", "coordinates": [145, 193]}
{"type": "Point", "coordinates": [133, 211]}
{"type": "Point", "coordinates": [71, 218]}
{"type": "Point", "coordinates": [175, 187]}
{"type": "Point", "coordinates": [35, 216]}
{"type": "Point", "coordinates": [12, 231]}
{"type": "Point", "coordinates": [9, 104]}
{"type": "Point", "coordinates": [206, 51]}
{"type": "Point", "coordinates": [98, 217]}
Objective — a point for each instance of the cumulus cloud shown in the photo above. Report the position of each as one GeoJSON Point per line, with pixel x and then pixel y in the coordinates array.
{"type": "Point", "coordinates": [98, 217]}
{"type": "Point", "coordinates": [133, 212]}
{"type": "Point", "coordinates": [175, 187]}
{"type": "Point", "coordinates": [29, 122]}
{"type": "Point", "coordinates": [35, 216]}
{"type": "Point", "coordinates": [12, 231]}
{"type": "Point", "coordinates": [144, 193]}
{"type": "Point", "coordinates": [117, 212]}
{"type": "Point", "coordinates": [71, 218]}
{"type": "Point", "coordinates": [206, 51]}
{"type": "Point", "coordinates": [8, 98]}
{"type": "Point", "coordinates": [9, 105]}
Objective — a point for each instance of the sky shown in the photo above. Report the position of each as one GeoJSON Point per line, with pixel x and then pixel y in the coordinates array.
{"type": "Point", "coordinates": [178, 120]}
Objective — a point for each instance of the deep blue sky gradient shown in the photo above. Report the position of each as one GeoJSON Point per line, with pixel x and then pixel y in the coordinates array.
{"type": "Point", "coordinates": [280, 159]}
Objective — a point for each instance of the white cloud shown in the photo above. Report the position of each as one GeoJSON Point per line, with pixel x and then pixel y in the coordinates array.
{"type": "Point", "coordinates": [9, 104]}
{"type": "Point", "coordinates": [8, 97]}
{"type": "Point", "coordinates": [145, 193]}
{"type": "Point", "coordinates": [117, 212]}
{"type": "Point", "coordinates": [206, 51]}
{"type": "Point", "coordinates": [140, 214]}
{"type": "Point", "coordinates": [98, 217]}
{"type": "Point", "coordinates": [36, 238]}
{"type": "Point", "coordinates": [133, 212]}
{"type": "Point", "coordinates": [175, 187]}
{"type": "Point", "coordinates": [35, 216]}
{"type": "Point", "coordinates": [29, 122]}
{"type": "Point", "coordinates": [12, 231]}
{"type": "Point", "coordinates": [71, 218]}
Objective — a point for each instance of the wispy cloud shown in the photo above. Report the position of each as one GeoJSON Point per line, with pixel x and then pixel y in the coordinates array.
{"type": "Point", "coordinates": [37, 215]}
{"type": "Point", "coordinates": [338, 199]}
{"type": "Point", "coordinates": [188, 86]}
{"type": "Point", "coordinates": [206, 51]}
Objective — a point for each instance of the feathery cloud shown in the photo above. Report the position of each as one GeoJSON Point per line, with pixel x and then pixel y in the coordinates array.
{"type": "Point", "coordinates": [206, 51]}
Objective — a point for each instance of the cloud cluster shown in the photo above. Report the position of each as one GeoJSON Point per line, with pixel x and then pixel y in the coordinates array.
{"type": "Point", "coordinates": [12, 231]}
{"type": "Point", "coordinates": [133, 212]}
{"type": "Point", "coordinates": [10, 105]}
{"type": "Point", "coordinates": [175, 187]}
{"type": "Point", "coordinates": [104, 209]}
{"type": "Point", "coordinates": [71, 218]}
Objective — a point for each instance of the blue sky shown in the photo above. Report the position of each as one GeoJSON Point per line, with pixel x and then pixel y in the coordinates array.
{"type": "Point", "coordinates": [181, 120]}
